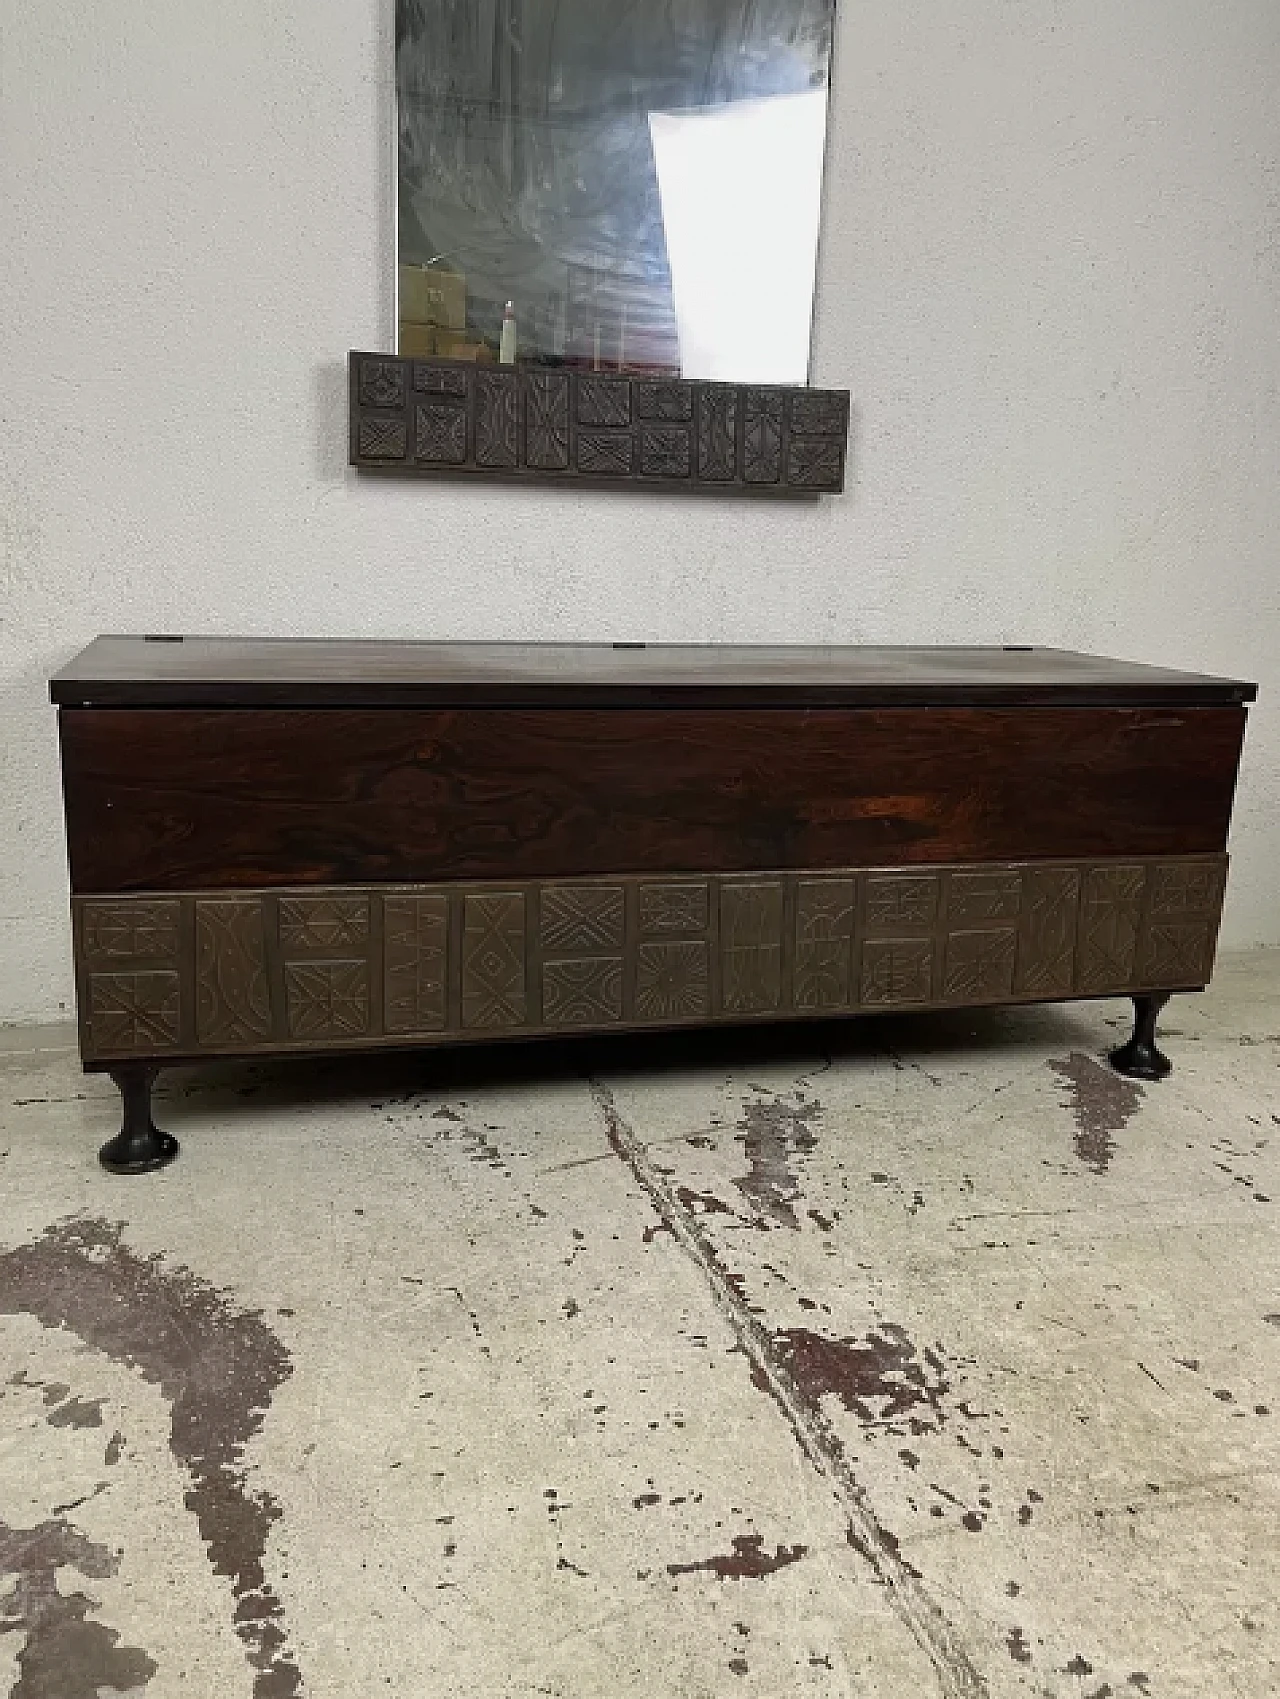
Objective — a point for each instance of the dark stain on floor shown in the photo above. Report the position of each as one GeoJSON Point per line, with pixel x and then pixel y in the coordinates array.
{"type": "Point", "coordinates": [748, 1561]}
{"type": "Point", "coordinates": [65, 1655]}
{"type": "Point", "coordinates": [773, 1133]}
{"type": "Point", "coordinates": [1101, 1101]}
{"type": "Point", "coordinates": [217, 1366]}
{"type": "Point", "coordinates": [881, 1378]}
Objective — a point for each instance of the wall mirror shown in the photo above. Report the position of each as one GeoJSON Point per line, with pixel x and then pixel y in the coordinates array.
{"type": "Point", "coordinates": [640, 179]}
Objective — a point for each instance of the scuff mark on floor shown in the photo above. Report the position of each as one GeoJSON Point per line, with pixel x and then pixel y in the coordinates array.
{"type": "Point", "coordinates": [748, 1561]}
{"type": "Point", "coordinates": [64, 1652]}
{"type": "Point", "coordinates": [1101, 1102]}
{"type": "Point", "coordinates": [218, 1367]}
{"type": "Point", "coordinates": [958, 1675]}
{"type": "Point", "coordinates": [773, 1132]}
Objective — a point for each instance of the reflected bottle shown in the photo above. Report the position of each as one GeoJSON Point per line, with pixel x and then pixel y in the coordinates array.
{"type": "Point", "coordinates": [507, 343]}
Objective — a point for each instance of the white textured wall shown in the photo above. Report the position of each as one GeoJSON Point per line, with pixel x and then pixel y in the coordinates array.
{"type": "Point", "coordinates": [1049, 272]}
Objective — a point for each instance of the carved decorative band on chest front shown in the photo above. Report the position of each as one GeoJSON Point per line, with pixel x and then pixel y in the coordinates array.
{"type": "Point", "coordinates": [228, 973]}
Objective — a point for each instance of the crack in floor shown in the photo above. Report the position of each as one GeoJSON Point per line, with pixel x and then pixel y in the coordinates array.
{"type": "Point", "coordinates": [958, 1675]}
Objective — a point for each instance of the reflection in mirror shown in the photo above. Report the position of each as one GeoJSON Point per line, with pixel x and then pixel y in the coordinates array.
{"type": "Point", "coordinates": [612, 186]}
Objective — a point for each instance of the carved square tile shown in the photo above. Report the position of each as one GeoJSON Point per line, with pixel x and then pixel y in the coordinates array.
{"type": "Point", "coordinates": [327, 999]}
{"type": "Point", "coordinates": [1185, 888]}
{"type": "Point", "coordinates": [673, 909]}
{"type": "Point", "coordinates": [665, 399]}
{"type": "Point", "coordinates": [130, 931]}
{"type": "Point", "coordinates": [818, 414]}
{"type": "Point", "coordinates": [606, 454]}
{"type": "Point", "coordinates": [440, 380]}
{"type": "Point", "coordinates": [415, 962]}
{"type": "Point", "coordinates": [133, 1013]}
{"type": "Point", "coordinates": [440, 433]}
{"type": "Point", "coordinates": [1176, 953]}
{"type": "Point", "coordinates": [983, 896]}
{"type": "Point", "coordinates": [666, 452]}
{"type": "Point", "coordinates": [604, 401]}
{"type": "Point", "coordinates": [673, 982]}
{"type": "Point", "coordinates": [902, 902]}
{"type": "Point", "coordinates": [381, 383]}
{"type": "Point", "coordinates": [383, 439]}
{"type": "Point", "coordinates": [815, 463]}
{"type": "Point", "coordinates": [582, 991]}
{"type": "Point", "coordinates": [978, 967]}
{"type": "Point", "coordinates": [897, 971]}
{"type": "Point", "coordinates": [314, 925]}
{"type": "Point", "coordinates": [582, 917]}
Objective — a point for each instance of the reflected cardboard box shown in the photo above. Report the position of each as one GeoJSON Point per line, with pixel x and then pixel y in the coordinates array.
{"type": "Point", "coordinates": [421, 341]}
{"type": "Point", "coordinates": [431, 296]}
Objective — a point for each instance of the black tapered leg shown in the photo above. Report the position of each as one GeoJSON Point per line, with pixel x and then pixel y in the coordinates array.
{"type": "Point", "coordinates": [139, 1146]}
{"type": "Point", "coordinates": [1139, 1058]}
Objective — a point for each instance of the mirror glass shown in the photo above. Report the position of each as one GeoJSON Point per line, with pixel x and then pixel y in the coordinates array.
{"type": "Point", "coordinates": [616, 185]}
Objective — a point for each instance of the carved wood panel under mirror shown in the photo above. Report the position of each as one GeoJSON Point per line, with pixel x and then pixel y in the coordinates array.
{"type": "Point", "coordinates": [641, 182]}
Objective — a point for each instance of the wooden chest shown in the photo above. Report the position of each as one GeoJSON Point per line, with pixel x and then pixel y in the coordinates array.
{"type": "Point", "coordinates": [284, 846]}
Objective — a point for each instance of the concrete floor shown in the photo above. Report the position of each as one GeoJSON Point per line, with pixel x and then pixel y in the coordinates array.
{"type": "Point", "coordinates": [899, 1358]}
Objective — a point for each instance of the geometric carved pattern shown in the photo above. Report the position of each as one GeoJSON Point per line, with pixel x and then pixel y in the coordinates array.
{"type": "Point", "coordinates": [751, 946]}
{"type": "Point", "coordinates": [606, 454]}
{"type": "Point", "coordinates": [124, 931]}
{"type": "Point", "coordinates": [819, 413]}
{"type": "Point", "coordinates": [546, 421]}
{"type": "Point", "coordinates": [382, 383]}
{"type": "Point", "coordinates": [323, 924]}
{"type": "Point", "coordinates": [979, 965]}
{"type": "Point", "coordinates": [177, 973]}
{"type": "Point", "coordinates": [327, 999]}
{"type": "Point", "coordinates": [604, 401]}
{"type": "Point", "coordinates": [1183, 890]}
{"type": "Point", "coordinates": [383, 439]}
{"type": "Point", "coordinates": [435, 416]}
{"type": "Point", "coordinates": [901, 902]}
{"type": "Point", "coordinates": [664, 400]}
{"type": "Point", "coordinates": [824, 933]}
{"type": "Point", "coordinates": [1176, 952]}
{"type": "Point", "coordinates": [666, 452]}
{"type": "Point", "coordinates": [493, 960]}
{"type": "Point", "coordinates": [416, 931]}
{"type": "Point", "coordinates": [582, 991]}
{"type": "Point", "coordinates": [582, 917]}
{"type": "Point", "coordinates": [983, 896]}
{"type": "Point", "coordinates": [672, 982]}
{"type": "Point", "coordinates": [497, 420]}
{"type": "Point", "coordinates": [1046, 949]}
{"type": "Point", "coordinates": [440, 433]}
{"type": "Point", "coordinates": [668, 909]}
{"type": "Point", "coordinates": [233, 1005]}
{"type": "Point", "coordinates": [815, 463]}
{"type": "Point", "coordinates": [133, 1013]}
{"type": "Point", "coordinates": [762, 444]}
{"type": "Point", "coordinates": [897, 970]}
{"type": "Point", "coordinates": [1110, 913]}
{"type": "Point", "coordinates": [717, 435]}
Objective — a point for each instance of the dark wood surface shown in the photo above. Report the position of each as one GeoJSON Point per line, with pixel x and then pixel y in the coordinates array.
{"type": "Point", "coordinates": [261, 672]}
{"type": "Point", "coordinates": [190, 799]}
